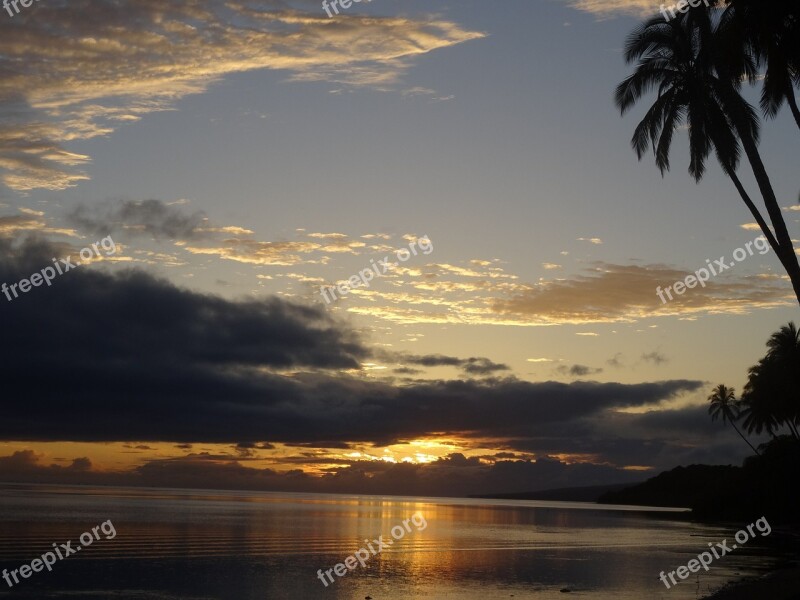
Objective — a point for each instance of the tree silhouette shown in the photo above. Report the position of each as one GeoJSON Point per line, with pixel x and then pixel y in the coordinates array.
{"type": "Point", "coordinates": [771, 398]}
{"type": "Point", "coordinates": [769, 31]}
{"type": "Point", "coordinates": [723, 405]}
{"type": "Point", "coordinates": [699, 85]}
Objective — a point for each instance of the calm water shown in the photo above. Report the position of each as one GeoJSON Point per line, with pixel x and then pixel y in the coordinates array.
{"type": "Point", "coordinates": [201, 545]}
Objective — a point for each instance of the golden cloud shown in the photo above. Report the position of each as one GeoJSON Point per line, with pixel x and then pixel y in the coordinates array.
{"type": "Point", "coordinates": [75, 78]}
{"type": "Point", "coordinates": [608, 8]}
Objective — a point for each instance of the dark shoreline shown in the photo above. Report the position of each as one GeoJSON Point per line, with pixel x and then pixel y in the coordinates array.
{"type": "Point", "coordinates": [781, 583]}
{"type": "Point", "coordinates": [782, 579]}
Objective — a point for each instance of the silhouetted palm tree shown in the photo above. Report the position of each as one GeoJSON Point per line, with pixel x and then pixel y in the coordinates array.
{"type": "Point", "coordinates": [681, 60]}
{"type": "Point", "coordinates": [784, 346]}
{"type": "Point", "coordinates": [759, 405]}
{"type": "Point", "coordinates": [771, 397]}
{"type": "Point", "coordinates": [723, 405]}
{"type": "Point", "coordinates": [768, 31]}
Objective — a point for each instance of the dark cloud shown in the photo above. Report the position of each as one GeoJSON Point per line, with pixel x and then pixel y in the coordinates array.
{"type": "Point", "coordinates": [688, 422]}
{"type": "Point", "coordinates": [91, 321]}
{"type": "Point", "coordinates": [482, 366]}
{"type": "Point", "coordinates": [321, 444]}
{"type": "Point", "coordinates": [152, 218]}
{"type": "Point", "coordinates": [248, 449]}
{"type": "Point", "coordinates": [204, 405]}
{"type": "Point", "coordinates": [454, 475]}
{"type": "Point", "coordinates": [505, 455]}
{"type": "Point", "coordinates": [407, 371]}
{"type": "Point", "coordinates": [471, 366]}
{"type": "Point", "coordinates": [658, 438]}
{"type": "Point", "coordinates": [655, 357]}
{"type": "Point", "coordinates": [131, 358]}
{"type": "Point", "coordinates": [245, 450]}
{"type": "Point", "coordinates": [577, 370]}
{"type": "Point", "coordinates": [26, 462]}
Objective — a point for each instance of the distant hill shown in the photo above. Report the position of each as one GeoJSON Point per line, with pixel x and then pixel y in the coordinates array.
{"type": "Point", "coordinates": [575, 494]}
{"type": "Point", "coordinates": [763, 486]}
{"type": "Point", "coordinates": [682, 487]}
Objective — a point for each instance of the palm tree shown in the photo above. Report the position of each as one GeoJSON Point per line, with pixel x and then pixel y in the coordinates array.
{"type": "Point", "coordinates": [768, 31]}
{"type": "Point", "coordinates": [784, 346]}
{"type": "Point", "coordinates": [771, 397]}
{"type": "Point", "coordinates": [680, 59]}
{"type": "Point", "coordinates": [723, 405]}
{"type": "Point", "coordinates": [759, 404]}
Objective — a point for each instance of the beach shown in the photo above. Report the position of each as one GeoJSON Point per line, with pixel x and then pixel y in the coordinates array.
{"type": "Point", "coordinates": [780, 584]}
{"type": "Point", "coordinates": [779, 581]}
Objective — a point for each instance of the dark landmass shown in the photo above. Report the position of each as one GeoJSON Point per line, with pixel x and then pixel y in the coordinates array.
{"type": "Point", "coordinates": [763, 486]}
{"type": "Point", "coordinates": [682, 487]}
{"type": "Point", "coordinates": [576, 494]}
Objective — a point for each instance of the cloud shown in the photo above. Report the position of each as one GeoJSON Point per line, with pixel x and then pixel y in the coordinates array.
{"type": "Point", "coordinates": [338, 243]}
{"type": "Point", "coordinates": [608, 8]}
{"type": "Point", "coordinates": [152, 218]}
{"type": "Point", "coordinates": [255, 252]}
{"type": "Point", "coordinates": [578, 370]}
{"type": "Point", "coordinates": [613, 293]}
{"type": "Point", "coordinates": [655, 357]}
{"type": "Point", "coordinates": [96, 356]}
{"type": "Point", "coordinates": [29, 211]}
{"type": "Point", "coordinates": [658, 439]}
{"type": "Point", "coordinates": [29, 221]}
{"type": "Point", "coordinates": [196, 234]}
{"type": "Point", "coordinates": [472, 366]}
{"type": "Point", "coordinates": [66, 78]}
{"type": "Point", "coordinates": [751, 227]}
{"type": "Point", "coordinates": [134, 314]}
{"type": "Point", "coordinates": [600, 293]}
{"type": "Point", "coordinates": [483, 293]}
{"type": "Point", "coordinates": [25, 462]}
{"type": "Point", "coordinates": [407, 371]}
{"type": "Point", "coordinates": [452, 475]}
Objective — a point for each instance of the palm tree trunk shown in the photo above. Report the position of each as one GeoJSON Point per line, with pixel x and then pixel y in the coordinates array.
{"type": "Point", "coordinates": [793, 429]}
{"type": "Point", "coordinates": [745, 439]}
{"type": "Point", "coordinates": [793, 103]}
{"type": "Point", "coordinates": [755, 212]}
{"type": "Point", "coordinates": [786, 252]}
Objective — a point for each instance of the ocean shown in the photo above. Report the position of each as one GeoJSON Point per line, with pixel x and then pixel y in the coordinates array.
{"type": "Point", "coordinates": [171, 544]}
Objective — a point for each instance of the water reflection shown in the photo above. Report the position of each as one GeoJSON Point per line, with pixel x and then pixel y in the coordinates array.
{"type": "Point", "coordinates": [230, 545]}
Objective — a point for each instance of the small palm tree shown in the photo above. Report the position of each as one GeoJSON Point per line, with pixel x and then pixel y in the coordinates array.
{"type": "Point", "coordinates": [723, 405]}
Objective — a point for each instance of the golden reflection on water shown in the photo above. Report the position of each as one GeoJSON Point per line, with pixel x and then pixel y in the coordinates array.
{"type": "Point", "coordinates": [272, 545]}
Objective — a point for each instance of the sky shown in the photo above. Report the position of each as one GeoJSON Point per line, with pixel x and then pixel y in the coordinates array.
{"type": "Point", "coordinates": [234, 160]}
